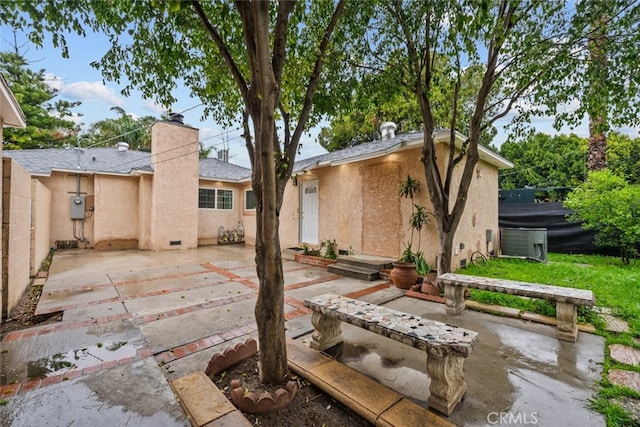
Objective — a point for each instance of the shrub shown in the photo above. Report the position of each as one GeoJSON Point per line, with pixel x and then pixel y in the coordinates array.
{"type": "Point", "coordinates": [607, 204]}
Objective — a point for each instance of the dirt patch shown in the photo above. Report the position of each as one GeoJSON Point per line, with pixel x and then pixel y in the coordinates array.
{"type": "Point", "coordinates": [311, 406]}
{"type": "Point", "coordinates": [23, 317]}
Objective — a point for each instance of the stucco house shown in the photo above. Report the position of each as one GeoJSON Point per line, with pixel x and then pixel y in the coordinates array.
{"type": "Point", "coordinates": [352, 196]}
{"type": "Point", "coordinates": [116, 198]}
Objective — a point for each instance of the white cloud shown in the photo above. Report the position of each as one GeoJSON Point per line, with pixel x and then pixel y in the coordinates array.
{"type": "Point", "coordinates": [53, 81]}
{"type": "Point", "coordinates": [153, 107]}
{"type": "Point", "coordinates": [92, 92]}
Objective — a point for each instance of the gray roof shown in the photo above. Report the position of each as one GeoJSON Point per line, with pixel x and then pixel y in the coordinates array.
{"type": "Point", "coordinates": [104, 160]}
{"type": "Point", "coordinates": [217, 169]}
{"type": "Point", "coordinates": [357, 152]}
{"type": "Point", "coordinates": [381, 148]}
{"type": "Point", "coordinates": [111, 161]}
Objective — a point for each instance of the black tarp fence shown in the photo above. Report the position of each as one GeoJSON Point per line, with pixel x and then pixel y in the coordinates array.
{"type": "Point", "coordinates": [562, 236]}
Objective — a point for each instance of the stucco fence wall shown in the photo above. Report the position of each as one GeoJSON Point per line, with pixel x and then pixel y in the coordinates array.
{"type": "Point", "coordinates": [40, 224]}
{"type": "Point", "coordinates": [16, 233]}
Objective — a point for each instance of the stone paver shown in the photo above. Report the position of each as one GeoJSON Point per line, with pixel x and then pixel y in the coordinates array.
{"type": "Point", "coordinates": [625, 354]}
{"type": "Point", "coordinates": [625, 378]}
{"type": "Point", "coordinates": [615, 324]}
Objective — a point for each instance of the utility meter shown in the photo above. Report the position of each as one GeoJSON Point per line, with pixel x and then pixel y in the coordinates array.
{"type": "Point", "coordinates": [77, 207]}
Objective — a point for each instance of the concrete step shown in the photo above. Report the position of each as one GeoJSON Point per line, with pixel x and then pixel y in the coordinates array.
{"type": "Point", "coordinates": [354, 271]}
{"type": "Point", "coordinates": [371, 400]}
{"type": "Point", "coordinates": [366, 261]}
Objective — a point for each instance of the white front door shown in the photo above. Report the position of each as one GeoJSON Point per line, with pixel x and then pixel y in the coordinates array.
{"type": "Point", "coordinates": [309, 212]}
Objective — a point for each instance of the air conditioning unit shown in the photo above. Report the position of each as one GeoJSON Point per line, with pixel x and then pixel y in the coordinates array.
{"type": "Point", "coordinates": [524, 242]}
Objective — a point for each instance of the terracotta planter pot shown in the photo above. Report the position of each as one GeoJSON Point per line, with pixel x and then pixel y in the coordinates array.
{"type": "Point", "coordinates": [404, 275]}
{"type": "Point", "coordinates": [430, 288]}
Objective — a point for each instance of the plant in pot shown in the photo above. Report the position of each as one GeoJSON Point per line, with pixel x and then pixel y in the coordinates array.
{"type": "Point", "coordinates": [410, 259]}
{"type": "Point", "coordinates": [404, 274]}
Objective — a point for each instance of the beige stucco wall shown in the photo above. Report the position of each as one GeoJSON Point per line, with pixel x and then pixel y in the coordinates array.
{"type": "Point", "coordinates": [62, 186]}
{"type": "Point", "coordinates": [209, 220]}
{"type": "Point", "coordinates": [481, 214]}
{"type": "Point", "coordinates": [115, 212]}
{"type": "Point", "coordinates": [248, 218]}
{"type": "Point", "coordinates": [359, 207]}
{"type": "Point", "coordinates": [16, 232]}
{"type": "Point", "coordinates": [145, 183]}
{"type": "Point", "coordinates": [40, 224]}
{"type": "Point", "coordinates": [174, 193]}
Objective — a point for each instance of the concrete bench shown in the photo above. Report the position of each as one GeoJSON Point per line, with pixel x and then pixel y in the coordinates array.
{"type": "Point", "coordinates": [567, 299]}
{"type": "Point", "coordinates": [446, 346]}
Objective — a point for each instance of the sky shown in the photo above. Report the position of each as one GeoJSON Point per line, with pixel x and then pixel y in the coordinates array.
{"type": "Point", "coordinates": [76, 80]}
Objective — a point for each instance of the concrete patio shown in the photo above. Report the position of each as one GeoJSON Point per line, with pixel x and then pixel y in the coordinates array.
{"type": "Point", "coordinates": [135, 320]}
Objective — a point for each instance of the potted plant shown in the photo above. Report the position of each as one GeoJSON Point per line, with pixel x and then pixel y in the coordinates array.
{"type": "Point", "coordinates": [418, 219]}
{"type": "Point", "coordinates": [404, 274]}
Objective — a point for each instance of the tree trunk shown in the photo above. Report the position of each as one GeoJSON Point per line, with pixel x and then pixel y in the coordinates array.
{"type": "Point", "coordinates": [445, 250]}
{"type": "Point", "coordinates": [597, 145]}
{"type": "Point", "coordinates": [598, 95]}
{"type": "Point", "coordinates": [269, 309]}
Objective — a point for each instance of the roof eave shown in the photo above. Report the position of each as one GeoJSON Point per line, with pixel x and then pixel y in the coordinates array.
{"type": "Point", "coordinates": [14, 116]}
{"type": "Point", "coordinates": [133, 172]}
{"type": "Point", "coordinates": [232, 181]}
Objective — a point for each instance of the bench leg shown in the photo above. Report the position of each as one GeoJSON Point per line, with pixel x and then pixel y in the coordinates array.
{"type": "Point", "coordinates": [455, 299]}
{"type": "Point", "coordinates": [447, 382]}
{"type": "Point", "coordinates": [327, 332]}
{"type": "Point", "coordinates": [567, 315]}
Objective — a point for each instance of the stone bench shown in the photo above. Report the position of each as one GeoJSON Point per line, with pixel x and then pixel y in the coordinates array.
{"type": "Point", "coordinates": [567, 299]}
{"type": "Point", "coordinates": [446, 346]}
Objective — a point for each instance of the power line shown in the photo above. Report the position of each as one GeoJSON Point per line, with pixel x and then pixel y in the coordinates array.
{"type": "Point", "coordinates": [136, 129]}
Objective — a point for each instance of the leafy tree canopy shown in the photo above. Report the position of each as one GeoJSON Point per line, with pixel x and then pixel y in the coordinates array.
{"type": "Point", "coordinates": [623, 156]}
{"type": "Point", "coordinates": [134, 131]}
{"type": "Point", "coordinates": [385, 94]}
{"type": "Point", "coordinates": [47, 123]}
{"type": "Point", "coordinates": [607, 204]}
{"type": "Point", "coordinates": [568, 86]}
{"type": "Point", "coordinates": [545, 161]}
{"type": "Point", "coordinates": [559, 161]}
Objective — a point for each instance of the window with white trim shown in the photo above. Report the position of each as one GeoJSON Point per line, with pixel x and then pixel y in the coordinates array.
{"type": "Point", "coordinates": [215, 198]}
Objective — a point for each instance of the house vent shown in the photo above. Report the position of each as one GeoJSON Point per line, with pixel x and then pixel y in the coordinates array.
{"type": "Point", "coordinates": [122, 146]}
{"type": "Point", "coordinates": [388, 130]}
{"type": "Point", "coordinates": [176, 118]}
{"type": "Point", "coordinates": [223, 155]}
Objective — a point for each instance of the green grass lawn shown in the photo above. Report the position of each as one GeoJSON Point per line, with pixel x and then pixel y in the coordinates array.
{"type": "Point", "coordinates": [614, 285]}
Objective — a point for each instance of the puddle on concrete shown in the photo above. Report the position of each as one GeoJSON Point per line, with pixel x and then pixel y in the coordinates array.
{"type": "Point", "coordinates": [81, 358]}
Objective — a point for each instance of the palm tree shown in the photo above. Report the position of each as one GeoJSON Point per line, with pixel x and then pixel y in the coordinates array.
{"type": "Point", "coordinates": [125, 128]}
{"type": "Point", "coordinates": [598, 97]}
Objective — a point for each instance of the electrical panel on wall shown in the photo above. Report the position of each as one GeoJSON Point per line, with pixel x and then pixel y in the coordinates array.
{"type": "Point", "coordinates": [77, 207]}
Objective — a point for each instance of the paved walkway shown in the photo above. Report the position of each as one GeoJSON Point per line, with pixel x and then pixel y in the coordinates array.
{"type": "Point", "coordinates": [133, 320]}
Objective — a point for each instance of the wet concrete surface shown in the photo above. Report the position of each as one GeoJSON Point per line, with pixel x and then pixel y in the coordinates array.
{"type": "Point", "coordinates": [133, 395]}
{"type": "Point", "coordinates": [134, 320]}
{"type": "Point", "coordinates": [518, 371]}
